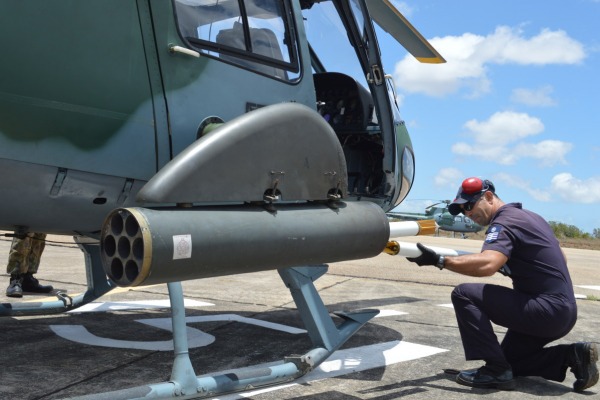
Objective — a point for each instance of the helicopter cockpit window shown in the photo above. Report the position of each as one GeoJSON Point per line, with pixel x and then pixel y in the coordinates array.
{"type": "Point", "coordinates": [359, 17]}
{"type": "Point", "coordinates": [408, 173]}
{"type": "Point", "coordinates": [254, 34]}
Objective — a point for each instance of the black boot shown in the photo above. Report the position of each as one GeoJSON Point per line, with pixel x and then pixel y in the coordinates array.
{"type": "Point", "coordinates": [30, 284]}
{"type": "Point", "coordinates": [582, 358]}
{"type": "Point", "coordinates": [487, 379]}
{"type": "Point", "coordinates": [14, 288]}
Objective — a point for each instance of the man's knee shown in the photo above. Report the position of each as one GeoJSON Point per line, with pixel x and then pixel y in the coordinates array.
{"type": "Point", "coordinates": [460, 292]}
{"type": "Point", "coordinates": [466, 293]}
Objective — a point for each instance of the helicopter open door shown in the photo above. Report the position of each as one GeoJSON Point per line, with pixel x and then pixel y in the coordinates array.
{"type": "Point", "coordinates": [358, 100]}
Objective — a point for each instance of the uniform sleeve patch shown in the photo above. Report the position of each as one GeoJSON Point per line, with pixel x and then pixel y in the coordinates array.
{"type": "Point", "coordinates": [492, 233]}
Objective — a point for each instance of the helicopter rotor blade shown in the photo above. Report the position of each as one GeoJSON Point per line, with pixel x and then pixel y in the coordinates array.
{"type": "Point", "coordinates": [394, 23]}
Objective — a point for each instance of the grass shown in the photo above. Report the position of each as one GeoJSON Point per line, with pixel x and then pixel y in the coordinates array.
{"type": "Point", "coordinates": [586, 244]}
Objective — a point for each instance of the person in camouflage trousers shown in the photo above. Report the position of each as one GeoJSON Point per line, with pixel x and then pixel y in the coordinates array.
{"type": "Point", "coordinates": [23, 263]}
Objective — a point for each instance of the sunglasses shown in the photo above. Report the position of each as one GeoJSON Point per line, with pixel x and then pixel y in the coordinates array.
{"type": "Point", "coordinates": [469, 206]}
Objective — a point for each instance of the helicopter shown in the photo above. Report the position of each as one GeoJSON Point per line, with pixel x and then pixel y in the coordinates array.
{"type": "Point", "coordinates": [445, 221]}
{"type": "Point", "coordinates": [160, 133]}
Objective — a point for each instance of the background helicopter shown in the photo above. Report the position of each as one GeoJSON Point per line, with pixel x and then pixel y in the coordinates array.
{"type": "Point", "coordinates": [437, 211]}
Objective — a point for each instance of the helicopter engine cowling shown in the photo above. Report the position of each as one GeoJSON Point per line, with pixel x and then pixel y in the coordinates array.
{"type": "Point", "coordinates": [143, 246]}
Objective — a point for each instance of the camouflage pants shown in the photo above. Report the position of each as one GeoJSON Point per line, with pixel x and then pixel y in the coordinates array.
{"type": "Point", "coordinates": [25, 254]}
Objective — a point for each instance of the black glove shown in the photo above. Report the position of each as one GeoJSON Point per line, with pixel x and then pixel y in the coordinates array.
{"type": "Point", "coordinates": [428, 256]}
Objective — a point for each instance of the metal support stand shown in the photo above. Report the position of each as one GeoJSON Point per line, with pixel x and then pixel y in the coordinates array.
{"type": "Point", "coordinates": [324, 334]}
{"type": "Point", "coordinates": [182, 374]}
{"type": "Point", "coordinates": [320, 326]}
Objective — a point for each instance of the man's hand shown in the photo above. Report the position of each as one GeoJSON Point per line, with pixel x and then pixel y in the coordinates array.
{"type": "Point", "coordinates": [427, 257]}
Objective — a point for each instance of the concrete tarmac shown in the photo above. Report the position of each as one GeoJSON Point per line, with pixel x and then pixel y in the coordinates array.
{"type": "Point", "coordinates": [118, 341]}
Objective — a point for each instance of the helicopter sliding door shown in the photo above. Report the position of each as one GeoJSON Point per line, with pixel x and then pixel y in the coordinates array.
{"type": "Point", "coordinates": [222, 58]}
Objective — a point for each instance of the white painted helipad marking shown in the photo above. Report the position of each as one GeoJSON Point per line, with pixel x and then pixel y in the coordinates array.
{"type": "Point", "coordinates": [135, 305]}
{"type": "Point", "coordinates": [165, 323]}
{"type": "Point", "coordinates": [196, 337]}
{"type": "Point", "coordinates": [371, 356]}
{"type": "Point", "coordinates": [389, 313]}
{"type": "Point", "coordinates": [356, 359]}
{"type": "Point", "coordinates": [583, 296]}
{"type": "Point", "coordinates": [79, 334]}
{"type": "Point", "coordinates": [593, 287]}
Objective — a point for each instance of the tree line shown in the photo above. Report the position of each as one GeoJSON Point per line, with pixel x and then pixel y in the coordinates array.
{"type": "Point", "coordinates": [562, 230]}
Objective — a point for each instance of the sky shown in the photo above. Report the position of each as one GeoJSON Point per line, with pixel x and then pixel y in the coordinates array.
{"type": "Point", "coordinates": [517, 102]}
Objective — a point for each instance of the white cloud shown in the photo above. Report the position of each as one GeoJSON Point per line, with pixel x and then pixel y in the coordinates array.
{"type": "Point", "coordinates": [442, 79]}
{"type": "Point", "coordinates": [469, 55]}
{"type": "Point", "coordinates": [504, 127]}
{"type": "Point", "coordinates": [563, 185]}
{"type": "Point", "coordinates": [415, 206]}
{"type": "Point", "coordinates": [549, 152]}
{"type": "Point", "coordinates": [507, 46]}
{"type": "Point", "coordinates": [497, 154]}
{"type": "Point", "coordinates": [576, 190]}
{"type": "Point", "coordinates": [448, 177]}
{"type": "Point", "coordinates": [499, 139]}
{"type": "Point", "coordinates": [521, 184]}
{"type": "Point", "coordinates": [540, 97]}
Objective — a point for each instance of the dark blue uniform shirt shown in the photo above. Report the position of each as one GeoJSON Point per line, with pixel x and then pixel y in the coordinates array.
{"type": "Point", "coordinates": [535, 260]}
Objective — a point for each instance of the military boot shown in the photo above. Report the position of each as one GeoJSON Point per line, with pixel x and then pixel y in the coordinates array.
{"type": "Point", "coordinates": [31, 284]}
{"type": "Point", "coordinates": [486, 378]}
{"type": "Point", "coordinates": [582, 358]}
{"type": "Point", "coordinates": [14, 288]}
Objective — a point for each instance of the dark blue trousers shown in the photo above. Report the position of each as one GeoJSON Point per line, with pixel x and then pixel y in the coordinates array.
{"type": "Point", "coordinates": [532, 321]}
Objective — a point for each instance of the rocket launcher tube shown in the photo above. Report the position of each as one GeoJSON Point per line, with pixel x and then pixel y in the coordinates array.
{"type": "Point", "coordinates": [148, 246]}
